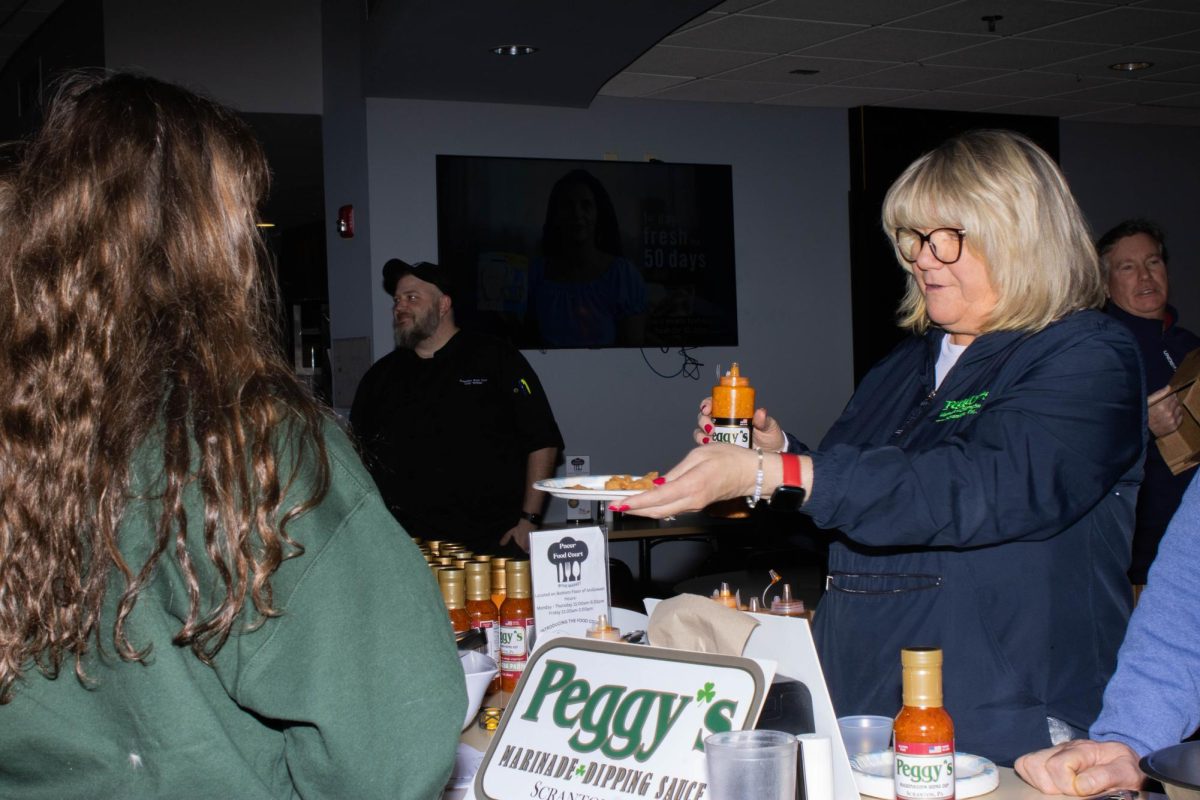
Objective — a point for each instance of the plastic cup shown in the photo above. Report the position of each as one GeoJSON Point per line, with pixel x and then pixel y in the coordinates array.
{"type": "Point", "coordinates": [745, 765]}
{"type": "Point", "coordinates": [865, 733]}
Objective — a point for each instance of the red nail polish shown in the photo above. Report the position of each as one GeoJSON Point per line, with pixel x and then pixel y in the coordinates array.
{"type": "Point", "coordinates": [659, 481]}
{"type": "Point", "coordinates": [708, 428]}
{"type": "Point", "coordinates": [623, 508]}
{"type": "Point", "coordinates": [613, 507]}
{"type": "Point", "coordinates": [704, 440]}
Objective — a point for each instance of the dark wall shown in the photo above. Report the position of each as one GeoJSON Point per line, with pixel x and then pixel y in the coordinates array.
{"type": "Point", "coordinates": [72, 37]}
{"type": "Point", "coordinates": [883, 142]}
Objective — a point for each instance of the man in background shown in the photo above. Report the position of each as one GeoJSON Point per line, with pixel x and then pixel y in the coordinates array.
{"type": "Point", "coordinates": [454, 424]}
{"type": "Point", "coordinates": [1133, 256]}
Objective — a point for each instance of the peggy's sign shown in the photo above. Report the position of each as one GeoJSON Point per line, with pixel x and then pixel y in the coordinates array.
{"type": "Point", "coordinates": [595, 720]}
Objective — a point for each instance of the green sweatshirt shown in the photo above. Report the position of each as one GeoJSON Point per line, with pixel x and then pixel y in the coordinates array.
{"type": "Point", "coordinates": [354, 692]}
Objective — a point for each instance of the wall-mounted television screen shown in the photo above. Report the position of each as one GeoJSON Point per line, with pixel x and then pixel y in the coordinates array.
{"type": "Point", "coordinates": [552, 253]}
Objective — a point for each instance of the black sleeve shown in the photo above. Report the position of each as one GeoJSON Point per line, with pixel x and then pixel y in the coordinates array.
{"type": "Point", "coordinates": [533, 418]}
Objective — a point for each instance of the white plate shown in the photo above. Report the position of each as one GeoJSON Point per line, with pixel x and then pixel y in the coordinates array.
{"type": "Point", "coordinates": [973, 775]}
{"type": "Point", "coordinates": [559, 487]}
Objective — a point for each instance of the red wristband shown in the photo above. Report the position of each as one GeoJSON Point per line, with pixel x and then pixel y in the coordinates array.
{"type": "Point", "coordinates": [791, 470]}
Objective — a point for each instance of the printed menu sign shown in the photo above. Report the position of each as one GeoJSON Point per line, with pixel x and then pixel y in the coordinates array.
{"type": "Point", "coordinates": [611, 721]}
{"type": "Point", "coordinates": [570, 580]}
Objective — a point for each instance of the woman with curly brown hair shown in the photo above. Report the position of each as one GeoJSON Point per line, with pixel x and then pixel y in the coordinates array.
{"type": "Point", "coordinates": [180, 527]}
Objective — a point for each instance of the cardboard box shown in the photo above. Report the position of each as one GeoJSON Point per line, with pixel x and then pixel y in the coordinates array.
{"type": "Point", "coordinates": [1181, 448]}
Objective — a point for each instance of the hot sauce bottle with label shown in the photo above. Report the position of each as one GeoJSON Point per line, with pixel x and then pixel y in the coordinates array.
{"type": "Point", "coordinates": [483, 613]}
{"type": "Point", "coordinates": [732, 414]}
{"type": "Point", "coordinates": [516, 624]}
{"type": "Point", "coordinates": [732, 408]}
{"type": "Point", "coordinates": [923, 731]}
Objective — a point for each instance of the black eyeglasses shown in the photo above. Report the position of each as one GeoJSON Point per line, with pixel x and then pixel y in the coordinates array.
{"type": "Point", "coordinates": [944, 243]}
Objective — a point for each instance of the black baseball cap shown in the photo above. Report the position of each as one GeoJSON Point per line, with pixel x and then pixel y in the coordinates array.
{"type": "Point", "coordinates": [395, 269]}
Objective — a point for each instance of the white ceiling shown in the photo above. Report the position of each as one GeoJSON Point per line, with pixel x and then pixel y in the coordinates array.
{"type": "Point", "coordinates": [1045, 57]}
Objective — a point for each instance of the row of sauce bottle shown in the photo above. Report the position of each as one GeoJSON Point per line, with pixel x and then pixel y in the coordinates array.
{"type": "Point", "coordinates": [491, 594]}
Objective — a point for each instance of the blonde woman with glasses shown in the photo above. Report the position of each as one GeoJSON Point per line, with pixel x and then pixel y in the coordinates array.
{"type": "Point", "coordinates": [979, 488]}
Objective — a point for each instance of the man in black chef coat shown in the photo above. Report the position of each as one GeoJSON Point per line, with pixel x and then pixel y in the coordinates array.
{"type": "Point", "coordinates": [454, 425]}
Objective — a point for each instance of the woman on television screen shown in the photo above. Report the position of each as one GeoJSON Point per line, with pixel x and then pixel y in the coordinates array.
{"type": "Point", "coordinates": [583, 292]}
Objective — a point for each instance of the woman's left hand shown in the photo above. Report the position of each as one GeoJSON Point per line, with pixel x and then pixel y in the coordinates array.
{"type": "Point", "coordinates": [707, 474]}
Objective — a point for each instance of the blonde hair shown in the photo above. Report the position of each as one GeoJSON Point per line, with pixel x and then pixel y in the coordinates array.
{"type": "Point", "coordinates": [1020, 220]}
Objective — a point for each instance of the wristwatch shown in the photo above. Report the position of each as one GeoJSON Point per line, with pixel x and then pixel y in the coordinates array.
{"type": "Point", "coordinates": [536, 519]}
{"type": "Point", "coordinates": [790, 494]}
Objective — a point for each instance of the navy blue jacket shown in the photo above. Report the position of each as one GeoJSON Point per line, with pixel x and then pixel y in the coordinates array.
{"type": "Point", "coordinates": [1163, 345]}
{"type": "Point", "coordinates": [991, 518]}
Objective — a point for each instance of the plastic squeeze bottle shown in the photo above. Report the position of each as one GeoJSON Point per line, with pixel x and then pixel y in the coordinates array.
{"type": "Point", "coordinates": [733, 408]}
{"type": "Point", "coordinates": [923, 732]}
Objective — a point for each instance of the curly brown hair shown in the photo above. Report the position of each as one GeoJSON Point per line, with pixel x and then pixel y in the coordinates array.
{"type": "Point", "coordinates": [138, 315]}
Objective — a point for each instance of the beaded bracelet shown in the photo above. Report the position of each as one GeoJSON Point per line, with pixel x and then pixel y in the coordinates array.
{"type": "Point", "coordinates": [758, 481]}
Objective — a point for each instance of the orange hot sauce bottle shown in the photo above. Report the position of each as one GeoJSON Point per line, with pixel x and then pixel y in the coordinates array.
{"type": "Point", "coordinates": [484, 615]}
{"type": "Point", "coordinates": [499, 580]}
{"type": "Point", "coordinates": [923, 734]}
{"type": "Point", "coordinates": [733, 408]}
{"type": "Point", "coordinates": [732, 415]}
{"type": "Point", "coordinates": [516, 624]}
{"type": "Point", "coordinates": [454, 594]}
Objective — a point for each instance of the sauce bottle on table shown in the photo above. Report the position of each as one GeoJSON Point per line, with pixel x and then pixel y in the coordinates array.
{"type": "Point", "coordinates": [516, 623]}
{"type": "Point", "coordinates": [499, 580]}
{"type": "Point", "coordinates": [483, 613]}
{"type": "Point", "coordinates": [923, 732]}
{"type": "Point", "coordinates": [454, 593]}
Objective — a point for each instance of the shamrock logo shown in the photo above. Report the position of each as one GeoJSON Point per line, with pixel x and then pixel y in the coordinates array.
{"type": "Point", "coordinates": [706, 694]}
{"type": "Point", "coordinates": [581, 769]}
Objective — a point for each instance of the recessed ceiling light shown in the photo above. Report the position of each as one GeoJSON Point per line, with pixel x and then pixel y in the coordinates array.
{"type": "Point", "coordinates": [514, 50]}
{"type": "Point", "coordinates": [1131, 66]}
{"type": "Point", "coordinates": [803, 71]}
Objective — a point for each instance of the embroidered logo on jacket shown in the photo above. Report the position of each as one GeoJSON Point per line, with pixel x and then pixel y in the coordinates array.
{"type": "Point", "coordinates": [957, 409]}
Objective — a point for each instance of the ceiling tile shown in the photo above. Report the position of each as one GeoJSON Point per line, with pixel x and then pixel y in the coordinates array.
{"type": "Point", "coordinates": [1096, 65]}
{"type": "Point", "coordinates": [862, 12]}
{"type": "Point", "coordinates": [629, 84]}
{"type": "Point", "coordinates": [733, 6]}
{"type": "Point", "coordinates": [1181, 101]}
{"type": "Point", "coordinates": [692, 62]}
{"type": "Point", "coordinates": [1053, 107]}
{"type": "Point", "coordinates": [916, 76]}
{"type": "Point", "coordinates": [949, 101]}
{"type": "Point", "coordinates": [779, 69]}
{"type": "Point", "coordinates": [1121, 26]}
{"type": "Point", "coordinates": [1030, 83]}
{"type": "Point", "coordinates": [1167, 5]}
{"type": "Point", "coordinates": [1016, 53]}
{"type": "Point", "coordinates": [1148, 115]}
{"type": "Point", "coordinates": [758, 34]}
{"type": "Point", "coordinates": [839, 97]}
{"type": "Point", "coordinates": [1129, 91]}
{"type": "Point", "coordinates": [1184, 75]}
{"type": "Point", "coordinates": [1184, 41]}
{"type": "Point", "coordinates": [718, 91]}
{"type": "Point", "coordinates": [1018, 16]}
{"type": "Point", "coordinates": [890, 44]}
